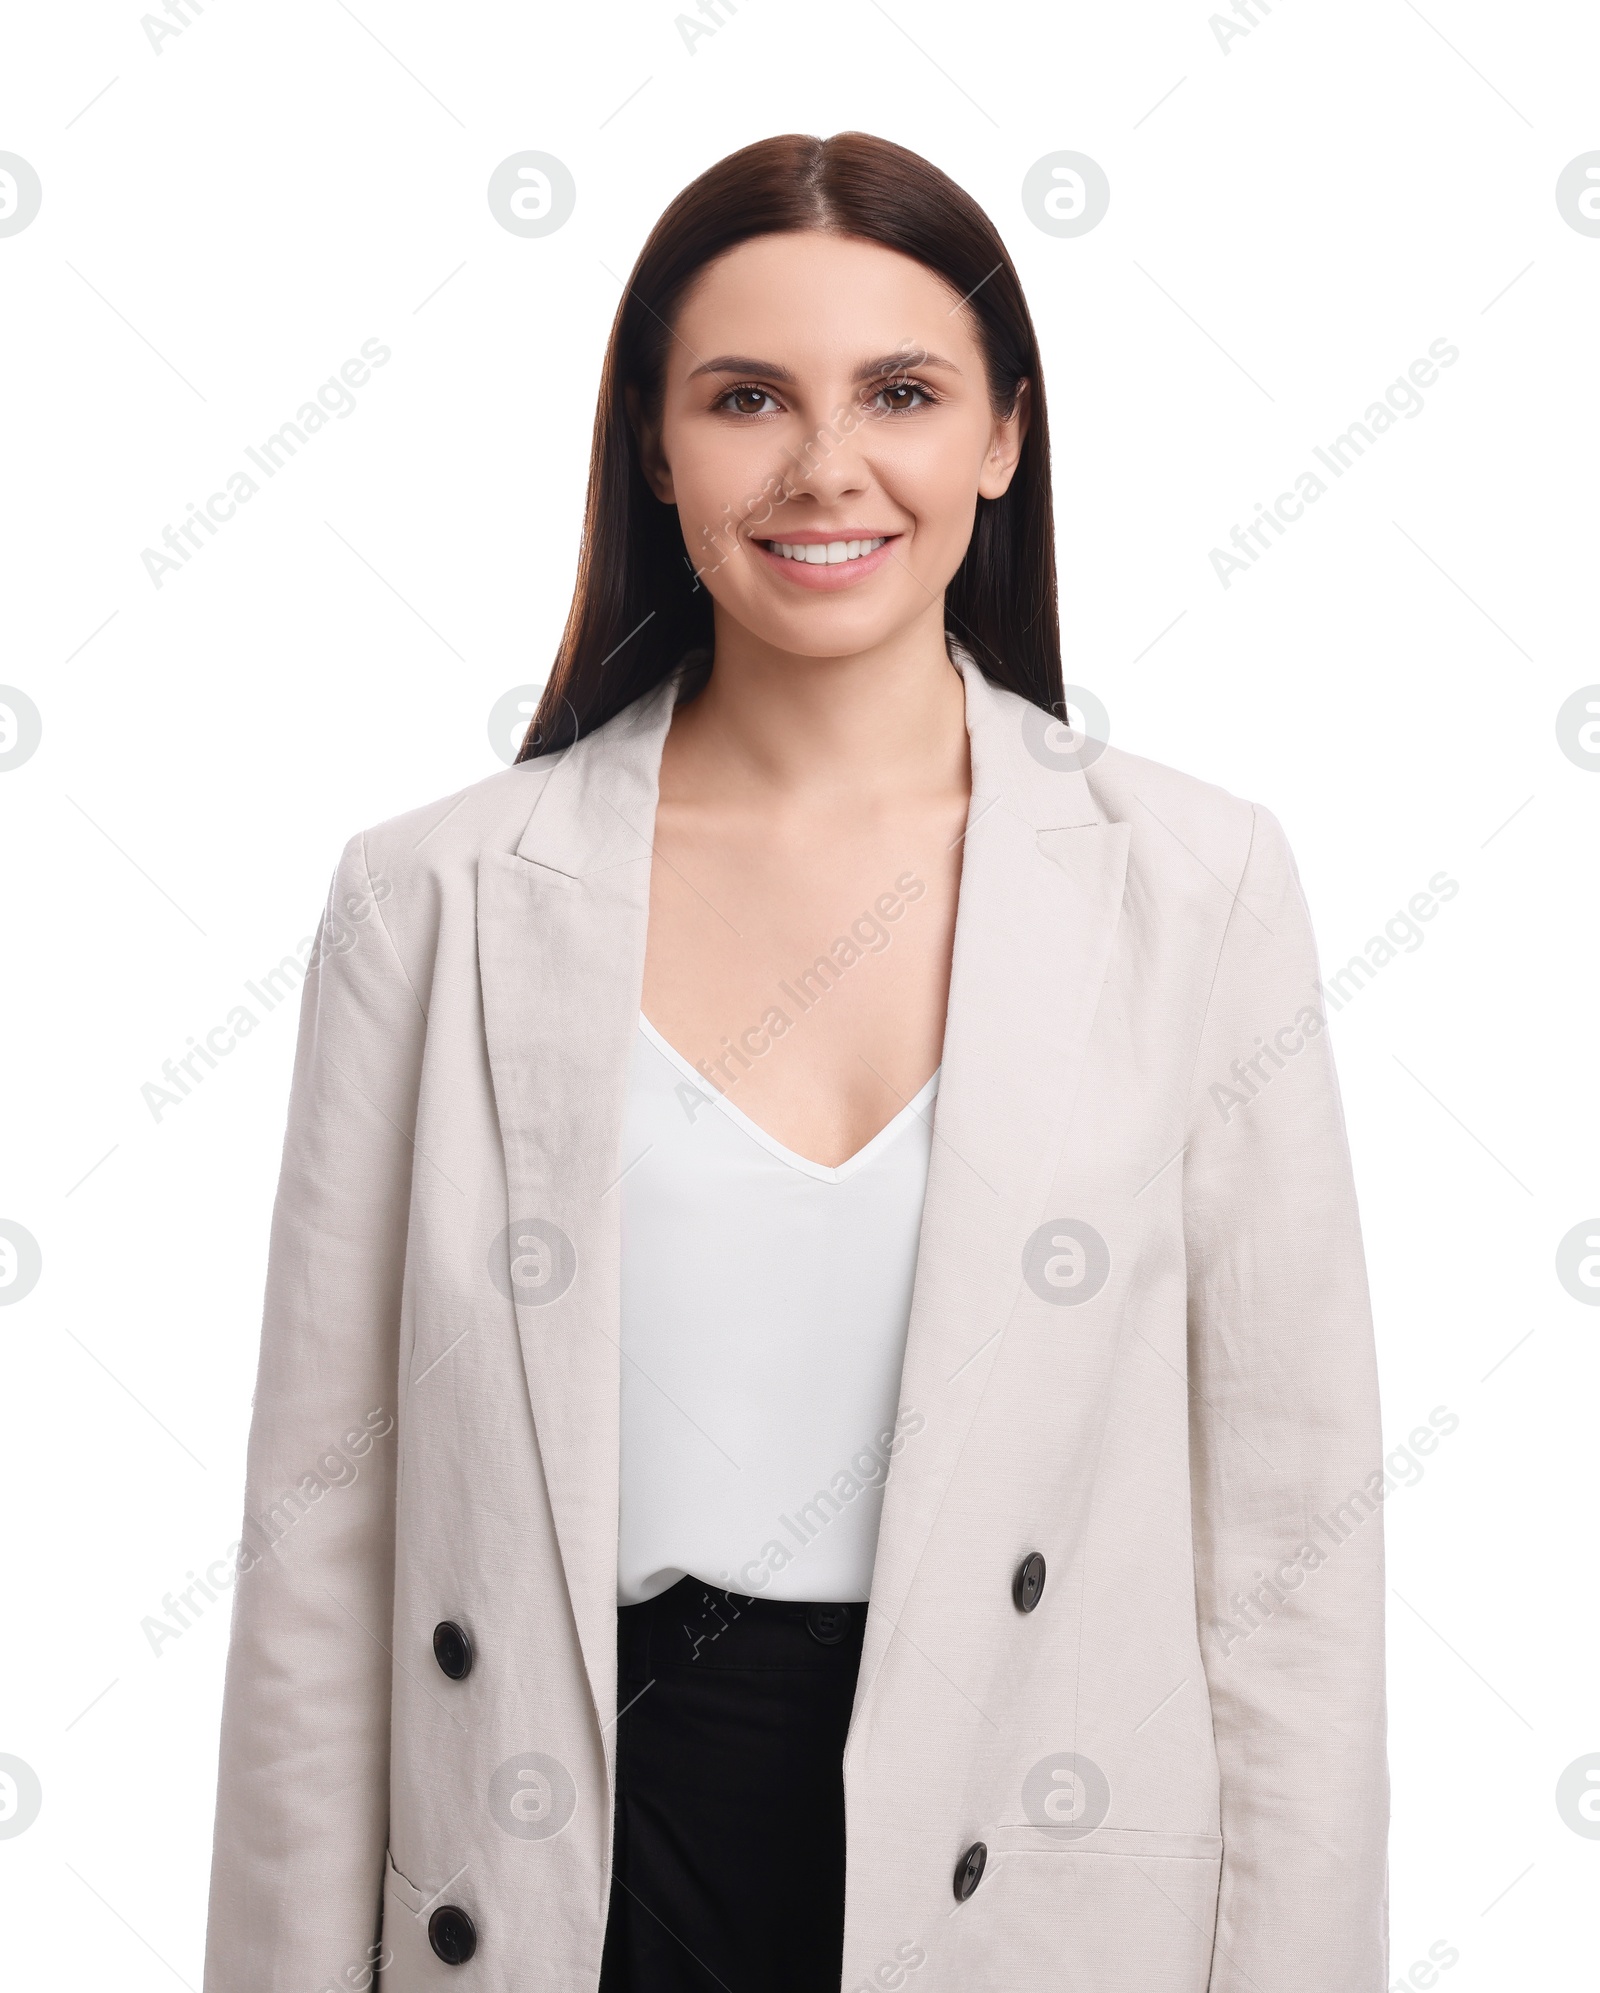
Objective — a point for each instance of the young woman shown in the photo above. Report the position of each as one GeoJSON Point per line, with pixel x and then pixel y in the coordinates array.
{"type": "Point", "coordinates": [816, 1222]}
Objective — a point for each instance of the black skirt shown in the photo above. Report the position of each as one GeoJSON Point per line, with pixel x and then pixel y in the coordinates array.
{"type": "Point", "coordinates": [729, 1865]}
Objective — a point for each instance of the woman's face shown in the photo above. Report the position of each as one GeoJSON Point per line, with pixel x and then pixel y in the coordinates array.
{"type": "Point", "coordinates": [821, 389]}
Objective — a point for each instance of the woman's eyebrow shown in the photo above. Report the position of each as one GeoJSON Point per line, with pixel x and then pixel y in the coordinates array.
{"type": "Point", "coordinates": [869, 370]}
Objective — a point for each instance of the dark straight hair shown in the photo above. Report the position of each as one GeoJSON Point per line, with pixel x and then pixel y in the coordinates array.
{"type": "Point", "coordinates": [638, 607]}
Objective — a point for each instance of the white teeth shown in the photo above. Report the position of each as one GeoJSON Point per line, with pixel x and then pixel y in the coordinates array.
{"type": "Point", "coordinates": [825, 552]}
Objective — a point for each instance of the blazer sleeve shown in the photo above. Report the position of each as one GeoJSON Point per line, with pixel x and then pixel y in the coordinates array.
{"type": "Point", "coordinates": [1286, 1466]}
{"type": "Point", "coordinates": [303, 1781]}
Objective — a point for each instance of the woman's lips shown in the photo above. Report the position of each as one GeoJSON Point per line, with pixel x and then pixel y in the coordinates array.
{"type": "Point", "coordinates": [827, 575]}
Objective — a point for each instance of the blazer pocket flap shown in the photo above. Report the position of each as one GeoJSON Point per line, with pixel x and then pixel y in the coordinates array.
{"type": "Point", "coordinates": [1152, 1841]}
{"type": "Point", "coordinates": [407, 1892]}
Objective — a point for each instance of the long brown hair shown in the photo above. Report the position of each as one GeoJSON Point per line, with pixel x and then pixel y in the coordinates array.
{"type": "Point", "coordinates": [638, 607]}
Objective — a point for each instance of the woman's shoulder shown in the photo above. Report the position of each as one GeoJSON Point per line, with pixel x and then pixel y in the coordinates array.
{"type": "Point", "coordinates": [1130, 786]}
{"type": "Point", "coordinates": [1076, 772]}
{"type": "Point", "coordinates": [442, 843]}
{"type": "Point", "coordinates": [446, 837]}
{"type": "Point", "coordinates": [1186, 835]}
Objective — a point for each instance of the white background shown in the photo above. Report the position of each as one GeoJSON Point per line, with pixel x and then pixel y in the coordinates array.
{"type": "Point", "coordinates": [1292, 222]}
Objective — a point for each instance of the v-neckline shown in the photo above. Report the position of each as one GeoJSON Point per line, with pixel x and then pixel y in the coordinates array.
{"type": "Point", "coordinates": [822, 1172]}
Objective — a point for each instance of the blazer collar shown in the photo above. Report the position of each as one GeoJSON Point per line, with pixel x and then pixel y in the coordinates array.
{"type": "Point", "coordinates": [561, 938]}
{"type": "Point", "coordinates": [598, 805]}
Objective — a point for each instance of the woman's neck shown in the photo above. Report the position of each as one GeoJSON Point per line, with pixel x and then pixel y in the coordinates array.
{"type": "Point", "coordinates": [866, 727]}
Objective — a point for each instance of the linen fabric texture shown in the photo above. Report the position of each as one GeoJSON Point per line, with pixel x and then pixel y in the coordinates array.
{"type": "Point", "coordinates": [1140, 1344]}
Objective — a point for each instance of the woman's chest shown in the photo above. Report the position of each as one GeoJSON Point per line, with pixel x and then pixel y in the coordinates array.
{"type": "Point", "coordinates": [806, 976]}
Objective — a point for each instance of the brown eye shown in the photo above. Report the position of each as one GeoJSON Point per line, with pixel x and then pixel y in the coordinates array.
{"type": "Point", "coordinates": [738, 401]}
{"type": "Point", "coordinates": [895, 397]}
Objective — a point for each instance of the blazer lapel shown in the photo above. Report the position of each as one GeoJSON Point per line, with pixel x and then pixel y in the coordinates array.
{"type": "Point", "coordinates": [561, 937]}
{"type": "Point", "coordinates": [1040, 898]}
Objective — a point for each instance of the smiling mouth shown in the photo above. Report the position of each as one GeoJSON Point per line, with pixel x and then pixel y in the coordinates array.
{"type": "Point", "coordinates": [825, 553]}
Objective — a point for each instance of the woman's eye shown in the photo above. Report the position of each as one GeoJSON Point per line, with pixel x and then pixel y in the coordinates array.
{"type": "Point", "coordinates": [895, 395]}
{"type": "Point", "coordinates": [746, 401]}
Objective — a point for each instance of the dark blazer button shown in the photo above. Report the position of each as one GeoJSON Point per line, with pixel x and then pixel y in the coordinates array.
{"type": "Point", "coordinates": [828, 1624]}
{"type": "Point", "coordinates": [452, 1650]}
{"type": "Point", "coordinates": [969, 1870]}
{"type": "Point", "coordinates": [452, 1934]}
{"type": "Point", "coordinates": [1027, 1587]}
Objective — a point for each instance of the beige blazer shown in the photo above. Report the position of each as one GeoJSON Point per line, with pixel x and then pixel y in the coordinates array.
{"type": "Point", "coordinates": [1140, 1346]}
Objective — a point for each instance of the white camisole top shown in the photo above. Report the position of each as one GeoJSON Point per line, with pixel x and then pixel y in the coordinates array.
{"type": "Point", "coordinates": [765, 1300]}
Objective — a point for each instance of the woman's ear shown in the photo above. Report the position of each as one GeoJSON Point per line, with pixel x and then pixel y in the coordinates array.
{"type": "Point", "coordinates": [1005, 446]}
{"type": "Point", "coordinates": [647, 435]}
